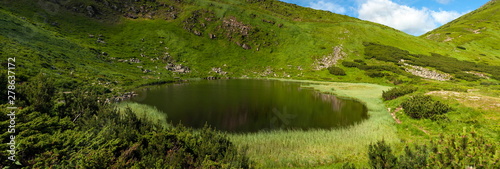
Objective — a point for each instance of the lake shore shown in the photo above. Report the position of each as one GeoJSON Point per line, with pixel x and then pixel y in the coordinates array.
{"type": "Point", "coordinates": [316, 148]}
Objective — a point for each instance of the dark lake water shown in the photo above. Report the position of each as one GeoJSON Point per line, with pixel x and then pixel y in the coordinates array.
{"type": "Point", "coordinates": [246, 105]}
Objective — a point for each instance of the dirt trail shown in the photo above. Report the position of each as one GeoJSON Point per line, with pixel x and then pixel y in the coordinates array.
{"type": "Point", "coordinates": [393, 114]}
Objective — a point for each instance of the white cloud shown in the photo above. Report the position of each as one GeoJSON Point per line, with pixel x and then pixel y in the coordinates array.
{"type": "Point", "coordinates": [407, 19]}
{"type": "Point", "coordinates": [327, 6]}
{"type": "Point", "coordinates": [443, 17]}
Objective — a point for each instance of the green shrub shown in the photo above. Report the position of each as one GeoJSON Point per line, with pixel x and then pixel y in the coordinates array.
{"type": "Point", "coordinates": [375, 74]}
{"type": "Point", "coordinates": [336, 71]}
{"type": "Point", "coordinates": [350, 64]}
{"type": "Point", "coordinates": [467, 76]}
{"type": "Point", "coordinates": [348, 165]}
{"type": "Point", "coordinates": [3, 87]}
{"type": "Point", "coordinates": [421, 106]}
{"type": "Point", "coordinates": [360, 61]}
{"type": "Point", "coordinates": [414, 157]}
{"type": "Point", "coordinates": [466, 150]}
{"type": "Point", "coordinates": [397, 92]}
{"type": "Point", "coordinates": [381, 156]}
{"type": "Point", "coordinates": [39, 92]}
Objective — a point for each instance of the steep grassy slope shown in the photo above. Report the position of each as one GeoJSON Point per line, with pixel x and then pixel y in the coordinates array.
{"type": "Point", "coordinates": [477, 31]}
{"type": "Point", "coordinates": [242, 38]}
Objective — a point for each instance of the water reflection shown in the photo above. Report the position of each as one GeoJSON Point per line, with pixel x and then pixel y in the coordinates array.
{"type": "Point", "coordinates": [252, 105]}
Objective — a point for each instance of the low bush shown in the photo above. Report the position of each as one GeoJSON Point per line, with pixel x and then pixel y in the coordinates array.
{"type": "Point", "coordinates": [421, 106]}
{"type": "Point", "coordinates": [336, 71]}
{"type": "Point", "coordinates": [350, 64]}
{"type": "Point", "coordinates": [397, 92]}
{"type": "Point", "coordinates": [381, 156]}
{"type": "Point", "coordinates": [375, 74]}
{"type": "Point", "coordinates": [467, 76]}
{"type": "Point", "coordinates": [466, 150]}
{"type": "Point", "coordinates": [360, 61]}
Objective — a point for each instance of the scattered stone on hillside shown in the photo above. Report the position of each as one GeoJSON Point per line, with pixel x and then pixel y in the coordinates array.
{"type": "Point", "coordinates": [134, 60]}
{"type": "Point", "coordinates": [99, 40]}
{"type": "Point", "coordinates": [90, 11]}
{"type": "Point", "coordinates": [245, 46]}
{"type": "Point", "coordinates": [177, 68]}
{"type": "Point", "coordinates": [129, 15]}
{"type": "Point", "coordinates": [232, 26]}
{"type": "Point", "coordinates": [448, 39]}
{"type": "Point", "coordinates": [219, 71]}
{"type": "Point", "coordinates": [196, 32]}
{"type": "Point", "coordinates": [211, 36]}
{"type": "Point", "coordinates": [477, 31]}
{"type": "Point", "coordinates": [268, 71]}
{"type": "Point", "coordinates": [426, 73]}
{"type": "Point", "coordinates": [481, 75]}
{"type": "Point", "coordinates": [330, 59]}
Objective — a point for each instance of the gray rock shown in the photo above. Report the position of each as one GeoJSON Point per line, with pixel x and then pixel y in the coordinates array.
{"type": "Point", "coordinates": [90, 11]}
{"type": "Point", "coordinates": [245, 46]}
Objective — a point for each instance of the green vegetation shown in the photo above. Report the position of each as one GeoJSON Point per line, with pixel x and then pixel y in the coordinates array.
{"type": "Point", "coordinates": [446, 64]}
{"type": "Point", "coordinates": [455, 151]}
{"type": "Point", "coordinates": [421, 106]}
{"type": "Point", "coordinates": [336, 71]}
{"type": "Point", "coordinates": [474, 31]}
{"type": "Point", "coordinates": [381, 155]}
{"type": "Point", "coordinates": [398, 92]}
{"type": "Point", "coordinates": [145, 113]}
{"type": "Point", "coordinates": [72, 54]}
{"type": "Point", "coordinates": [296, 148]}
{"type": "Point", "coordinates": [80, 132]}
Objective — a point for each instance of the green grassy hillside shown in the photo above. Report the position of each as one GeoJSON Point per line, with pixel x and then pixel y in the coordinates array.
{"type": "Point", "coordinates": [243, 38]}
{"type": "Point", "coordinates": [477, 31]}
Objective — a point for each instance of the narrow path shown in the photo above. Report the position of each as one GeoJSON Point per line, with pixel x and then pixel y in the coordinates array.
{"type": "Point", "coordinates": [393, 114]}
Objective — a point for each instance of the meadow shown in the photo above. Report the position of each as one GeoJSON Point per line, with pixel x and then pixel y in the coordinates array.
{"type": "Point", "coordinates": [314, 148]}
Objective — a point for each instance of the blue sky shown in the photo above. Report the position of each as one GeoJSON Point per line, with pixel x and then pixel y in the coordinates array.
{"type": "Point", "coordinates": [414, 17]}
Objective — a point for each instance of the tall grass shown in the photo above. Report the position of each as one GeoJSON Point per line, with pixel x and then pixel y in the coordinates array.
{"type": "Point", "coordinates": [321, 147]}
{"type": "Point", "coordinates": [145, 112]}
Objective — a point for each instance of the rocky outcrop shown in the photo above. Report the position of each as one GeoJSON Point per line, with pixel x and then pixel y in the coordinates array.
{"type": "Point", "coordinates": [481, 75]}
{"type": "Point", "coordinates": [330, 59]}
{"type": "Point", "coordinates": [120, 97]}
{"type": "Point", "coordinates": [199, 20]}
{"type": "Point", "coordinates": [219, 71]}
{"type": "Point", "coordinates": [177, 68]}
{"type": "Point", "coordinates": [132, 60]}
{"type": "Point", "coordinates": [268, 71]}
{"type": "Point", "coordinates": [426, 73]}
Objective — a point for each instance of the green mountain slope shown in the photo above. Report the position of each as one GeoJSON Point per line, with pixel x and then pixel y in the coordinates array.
{"type": "Point", "coordinates": [242, 38]}
{"type": "Point", "coordinates": [477, 31]}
